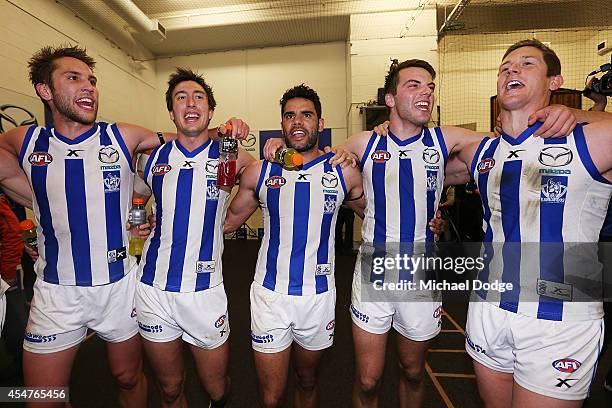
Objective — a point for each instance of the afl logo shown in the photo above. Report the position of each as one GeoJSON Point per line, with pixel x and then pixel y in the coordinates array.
{"type": "Point", "coordinates": [566, 365]}
{"type": "Point", "coordinates": [486, 165]}
{"type": "Point", "coordinates": [438, 312]}
{"type": "Point", "coordinates": [380, 156]}
{"type": "Point", "coordinates": [40, 159]}
{"type": "Point", "coordinates": [275, 182]}
{"type": "Point", "coordinates": [555, 156]}
{"type": "Point", "coordinates": [431, 156]}
{"type": "Point", "coordinates": [220, 321]}
{"type": "Point", "coordinates": [161, 169]}
{"type": "Point", "coordinates": [330, 325]}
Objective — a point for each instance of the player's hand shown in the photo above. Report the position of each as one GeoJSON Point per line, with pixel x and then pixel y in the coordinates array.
{"type": "Point", "coordinates": [33, 253]}
{"type": "Point", "coordinates": [140, 231]}
{"type": "Point", "coordinates": [437, 224]}
{"type": "Point", "coordinates": [382, 129]}
{"type": "Point", "coordinates": [341, 156]}
{"type": "Point", "coordinates": [234, 127]}
{"type": "Point", "coordinates": [271, 147]}
{"type": "Point", "coordinates": [497, 130]}
{"type": "Point", "coordinates": [559, 121]}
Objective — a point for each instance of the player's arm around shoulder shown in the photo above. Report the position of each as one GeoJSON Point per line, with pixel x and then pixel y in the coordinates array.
{"type": "Point", "coordinates": [357, 144]}
{"type": "Point", "coordinates": [245, 201]}
{"type": "Point", "coordinates": [462, 145]}
{"type": "Point", "coordinates": [244, 160]}
{"type": "Point", "coordinates": [139, 139]}
{"type": "Point", "coordinates": [355, 198]}
{"type": "Point", "coordinates": [12, 178]}
{"type": "Point", "coordinates": [598, 137]}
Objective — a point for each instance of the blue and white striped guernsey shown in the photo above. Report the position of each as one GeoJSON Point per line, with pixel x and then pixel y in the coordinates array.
{"type": "Point", "coordinates": [183, 252]}
{"type": "Point", "coordinates": [82, 190]}
{"type": "Point", "coordinates": [296, 256]}
{"type": "Point", "coordinates": [402, 182]}
{"type": "Point", "coordinates": [546, 194]}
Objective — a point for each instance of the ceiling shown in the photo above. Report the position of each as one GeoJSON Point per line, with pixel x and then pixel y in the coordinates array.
{"type": "Point", "coordinates": [217, 25]}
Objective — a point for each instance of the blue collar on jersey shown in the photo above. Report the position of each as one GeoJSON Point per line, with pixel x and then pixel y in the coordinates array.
{"type": "Point", "coordinates": [407, 141]}
{"type": "Point", "coordinates": [317, 160]}
{"type": "Point", "coordinates": [523, 136]}
{"type": "Point", "coordinates": [193, 153]}
{"type": "Point", "coordinates": [76, 140]}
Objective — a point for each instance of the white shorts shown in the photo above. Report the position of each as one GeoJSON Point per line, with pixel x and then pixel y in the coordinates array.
{"type": "Point", "coordinates": [418, 321]}
{"type": "Point", "coordinates": [200, 318]}
{"type": "Point", "coordinates": [278, 319]}
{"type": "Point", "coordinates": [60, 315]}
{"type": "Point", "coordinates": [551, 358]}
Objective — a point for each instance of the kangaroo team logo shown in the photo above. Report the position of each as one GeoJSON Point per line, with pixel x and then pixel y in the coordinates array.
{"type": "Point", "coordinates": [108, 155]}
{"type": "Point", "coordinates": [111, 183]}
{"type": "Point", "coordinates": [432, 182]}
{"type": "Point", "coordinates": [330, 205]}
{"type": "Point", "coordinates": [553, 190]}
{"type": "Point", "coordinates": [212, 191]}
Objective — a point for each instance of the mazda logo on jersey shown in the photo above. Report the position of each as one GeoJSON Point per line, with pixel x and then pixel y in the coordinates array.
{"type": "Point", "coordinates": [380, 156]}
{"type": "Point", "coordinates": [161, 169]}
{"type": "Point", "coordinates": [329, 180]}
{"type": "Point", "coordinates": [431, 156]}
{"type": "Point", "coordinates": [108, 155]}
{"type": "Point", "coordinates": [275, 182]}
{"type": "Point", "coordinates": [555, 156]}
{"type": "Point", "coordinates": [40, 159]}
{"type": "Point", "coordinates": [249, 141]}
{"type": "Point", "coordinates": [211, 166]}
{"type": "Point", "coordinates": [485, 165]}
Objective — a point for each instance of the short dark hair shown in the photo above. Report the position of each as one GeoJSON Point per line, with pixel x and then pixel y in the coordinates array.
{"type": "Point", "coordinates": [302, 91]}
{"type": "Point", "coordinates": [185, 74]}
{"type": "Point", "coordinates": [42, 63]}
{"type": "Point", "coordinates": [550, 57]}
{"type": "Point", "coordinates": [392, 78]}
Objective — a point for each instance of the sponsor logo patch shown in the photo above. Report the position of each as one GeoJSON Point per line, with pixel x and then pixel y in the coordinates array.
{"type": "Point", "coordinates": [359, 315]}
{"type": "Point", "coordinates": [329, 180]}
{"type": "Point", "coordinates": [438, 312]}
{"type": "Point", "coordinates": [323, 269]}
{"type": "Point", "coordinates": [108, 155]}
{"type": "Point", "coordinates": [116, 255]}
{"type": "Point", "coordinates": [39, 338]}
{"type": "Point", "coordinates": [205, 266]}
{"type": "Point", "coordinates": [431, 156]}
{"type": "Point", "coordinates": [553, 189]}
{"type": "Point", "coordinates": [473, 345]}
{"type": "Point", "coordinates": [212, 191]}
{"type": "Point", "coordinates": [112, 183]}
{"type": "Point", "coordinates": [220, 321]}
{"type": "Point", "coordinates": [266, 338]}
{"type": "Point", "coordinates": [151, 328]}
{"type": "Point", "coordinates": [555, 156]}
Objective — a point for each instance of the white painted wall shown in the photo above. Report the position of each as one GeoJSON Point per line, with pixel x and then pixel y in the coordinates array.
{"type": "Point", "coordinates": [126, 88]}
{"type": "Point", "coordinates": [249, 83]}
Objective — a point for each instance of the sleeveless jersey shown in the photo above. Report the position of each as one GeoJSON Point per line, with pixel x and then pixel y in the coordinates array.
{"type": "Point", "coordinates": [183, 253]}
{"type": "Point", "coordinates": [541, 197]}
{"type": "Point", "coordinates": [402, 182]}
{"type": "Point", "coordinates": [82, 189]}
{"type": "Point", "coordinates": [296, 256]}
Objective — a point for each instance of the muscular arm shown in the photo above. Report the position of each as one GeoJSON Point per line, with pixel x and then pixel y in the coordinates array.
{"type": "Point", "coordinates": [357, 143]}
{"type": "Point", "coordinates": [355, 199]}
{"type": "Point", "coordinates": [599, 142]}
{"type": "Point", "coordinates": [591, 116]}
{"type": "Point", "coordinates": [12, 178]}
{"type": "Point", "coordinates": [245, 202]}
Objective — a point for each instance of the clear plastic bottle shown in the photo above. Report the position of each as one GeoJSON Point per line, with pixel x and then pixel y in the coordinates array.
{"type": "Point", "coordinates": [228, 153]}
{"type": "Point", "coordinates": [289, 158]}
{"type": "Point", "coordinates": [137, 216]}
{"type": "Point", "coordinates": [28, 233]}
